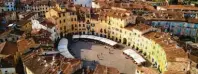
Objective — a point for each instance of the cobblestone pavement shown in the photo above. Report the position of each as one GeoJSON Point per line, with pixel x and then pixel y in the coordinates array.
{"type": "Point", "coordinates": [103, 54]}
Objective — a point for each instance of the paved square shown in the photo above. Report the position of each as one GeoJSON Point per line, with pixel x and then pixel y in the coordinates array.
{"type": "Point", "coordinates": [104, 54]}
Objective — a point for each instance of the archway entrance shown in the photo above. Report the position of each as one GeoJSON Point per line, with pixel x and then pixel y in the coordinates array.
{"type": "Point", "coordinates": [112, 37]}
{"type": "Point", "coordinates": [116, 39]}
{"type": "Point", "coordinates": [92, 32]}
{"type": "Point", "coordinates": [61, 34]}
{"type": "Point", "coordinates": [105, 36]}
{"type": "Point", "coordinates": [101, 35]}
{"type": "Point", "coordinates": [133, 47]}
{"type": "Point", "coordinates": [129, 44]}
{"type": "Point", "coordinates": [124, 41]}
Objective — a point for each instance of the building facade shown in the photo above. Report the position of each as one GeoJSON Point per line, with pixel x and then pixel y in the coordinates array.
{"type": "Point", "coordinates": [119, 25]}
{"type": "Point", "coordinates": [2, 7]}
{"type": "Point", "coordinates": [10, 5]}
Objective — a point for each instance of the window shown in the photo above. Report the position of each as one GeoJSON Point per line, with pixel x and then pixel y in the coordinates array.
{"type": "Point", "coordinates": [75, 19]}
{"type": "Point", "coordinates": [72, 27]}
{"type": "Point", "coordinates": [65, 27]}
{"type": "Point", "coordinates": [64, 20]}
{"type": "Point", "coordinates": [60, 28]}
{"type": "Point", "coordinates": [1, 40]}
{"type": "Point", "coordinates": [59, 15]}
{"type": "Point", "coordinates": [60, 21]}
{"type": "Point", "coordinates": [63, 14]}
{"type": "Point", "coordinates": [71, 19]}
{"type": "Point", "coordinates": [92, 25]}
{"type": "Point", "coordinates": [79, 25]}
{"type": "Point", "coordinates": [83, 25]}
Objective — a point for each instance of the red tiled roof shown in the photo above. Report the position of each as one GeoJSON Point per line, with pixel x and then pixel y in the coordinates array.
{"type": "Point", "coordinates": [24, 44]}
{"type": "Point", "coordinates": [43, 64]}
{"type": "Point", "coordinates": [181, 7]}
{"type": "Point", "coordinates": [10, 48]}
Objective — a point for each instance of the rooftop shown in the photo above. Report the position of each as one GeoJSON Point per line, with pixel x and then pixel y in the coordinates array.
{"type": "Point", "coordinates": [24, 44]}
{"type": "Point", "coordinates": [173, 52]}
{"type": "Point", "coordinates": [48, 23]}
{"type": "Point", "coordinates": [116, 13]}
{"type": "Point", "coordinates": [140, 27]}
{"type": "Point", "coordinates": [49, 64]}
{"type": "Point", "coordinates": [165, 16]}
{"type": "Point", "coordinates": [23, 22]}
{"type": "Point", "coordinates": [146, 70]}
{"type": "Point", "coordinates": [7, 62]}
{"type": "Point", "coordinates": [100, 69]}
{"type": "Point", "coordinates": [181, 7]}
{"type": "Point", "coordinates": [29, 15]}
{"type": "Point", "coordinates": [174, 72]}
{"type": "Point", "coordinates": [47, 3]}
{"type": "Point", "coordinates": [8, 48]}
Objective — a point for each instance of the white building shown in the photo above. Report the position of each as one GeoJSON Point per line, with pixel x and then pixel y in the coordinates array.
{"type": "Point", "coordinates": [8, 71]}
{"type": "Point", "coordinates": [37, 26]}
{"type": "Point", "coordinates": [95, 5]}
{"type": "Point", "coordinates": [10, 5]}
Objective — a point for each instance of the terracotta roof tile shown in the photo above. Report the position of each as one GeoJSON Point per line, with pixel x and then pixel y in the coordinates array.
{"type": "Point", "coordinates": [181, 7]}
{"type": "Point", "coordinates": [146, 70]}
{"type": "Point", "coordinates": [24, 44]}
{"type": "Point", "coordinates": [10, 48]}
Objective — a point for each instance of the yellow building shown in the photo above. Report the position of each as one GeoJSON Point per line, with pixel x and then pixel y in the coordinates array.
{"type": "Point", "coordinates": [157, 47]}
{"type": "Point", "coordinates": [68, 21]}
{"type": "Point", "coordinates": [119, 25]}
{"type": "Point", "coordinates": [25, 25]}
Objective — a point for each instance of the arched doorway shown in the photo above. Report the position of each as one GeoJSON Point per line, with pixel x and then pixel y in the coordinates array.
{"type": "Point", "coordinates": [119, 41]}
{"type": "Point", "coordinates": [105, 31]}
{"type": "Point", "coordinates": [133, 46]}
{"type": "Point", "coordinates": [124, 41]}
{"type": "Point", "coordinates": [137, 49]}
{"type": "Point", "coordinates": [101, 31]}
{"type": "Point", "coordinates": [108, 35]}
{"type": "Point", "coordinates": [61, 34]}
{"type": "Point", "coordinates": [116, 39]}
{"type": "Point", "coordinates": [92, 32]}
{"type": "Point", "coordinates": [145, 54]}
{"type": "Point", "coordinates": [112, 37]}
{"type": "Point", "coordinates": [105, 36]}
{"type": "Point", "coordinates": [129, 44]}
{"type": "Point", "coordinates": [101, 35]}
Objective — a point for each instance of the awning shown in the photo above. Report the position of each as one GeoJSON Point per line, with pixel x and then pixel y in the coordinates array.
{"type": "Point", "coordinates": [62, 47]}
{"type": "Point", "coordinates": [105, 40]}
{"type": "Point", "coordinates": [138, 58]}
